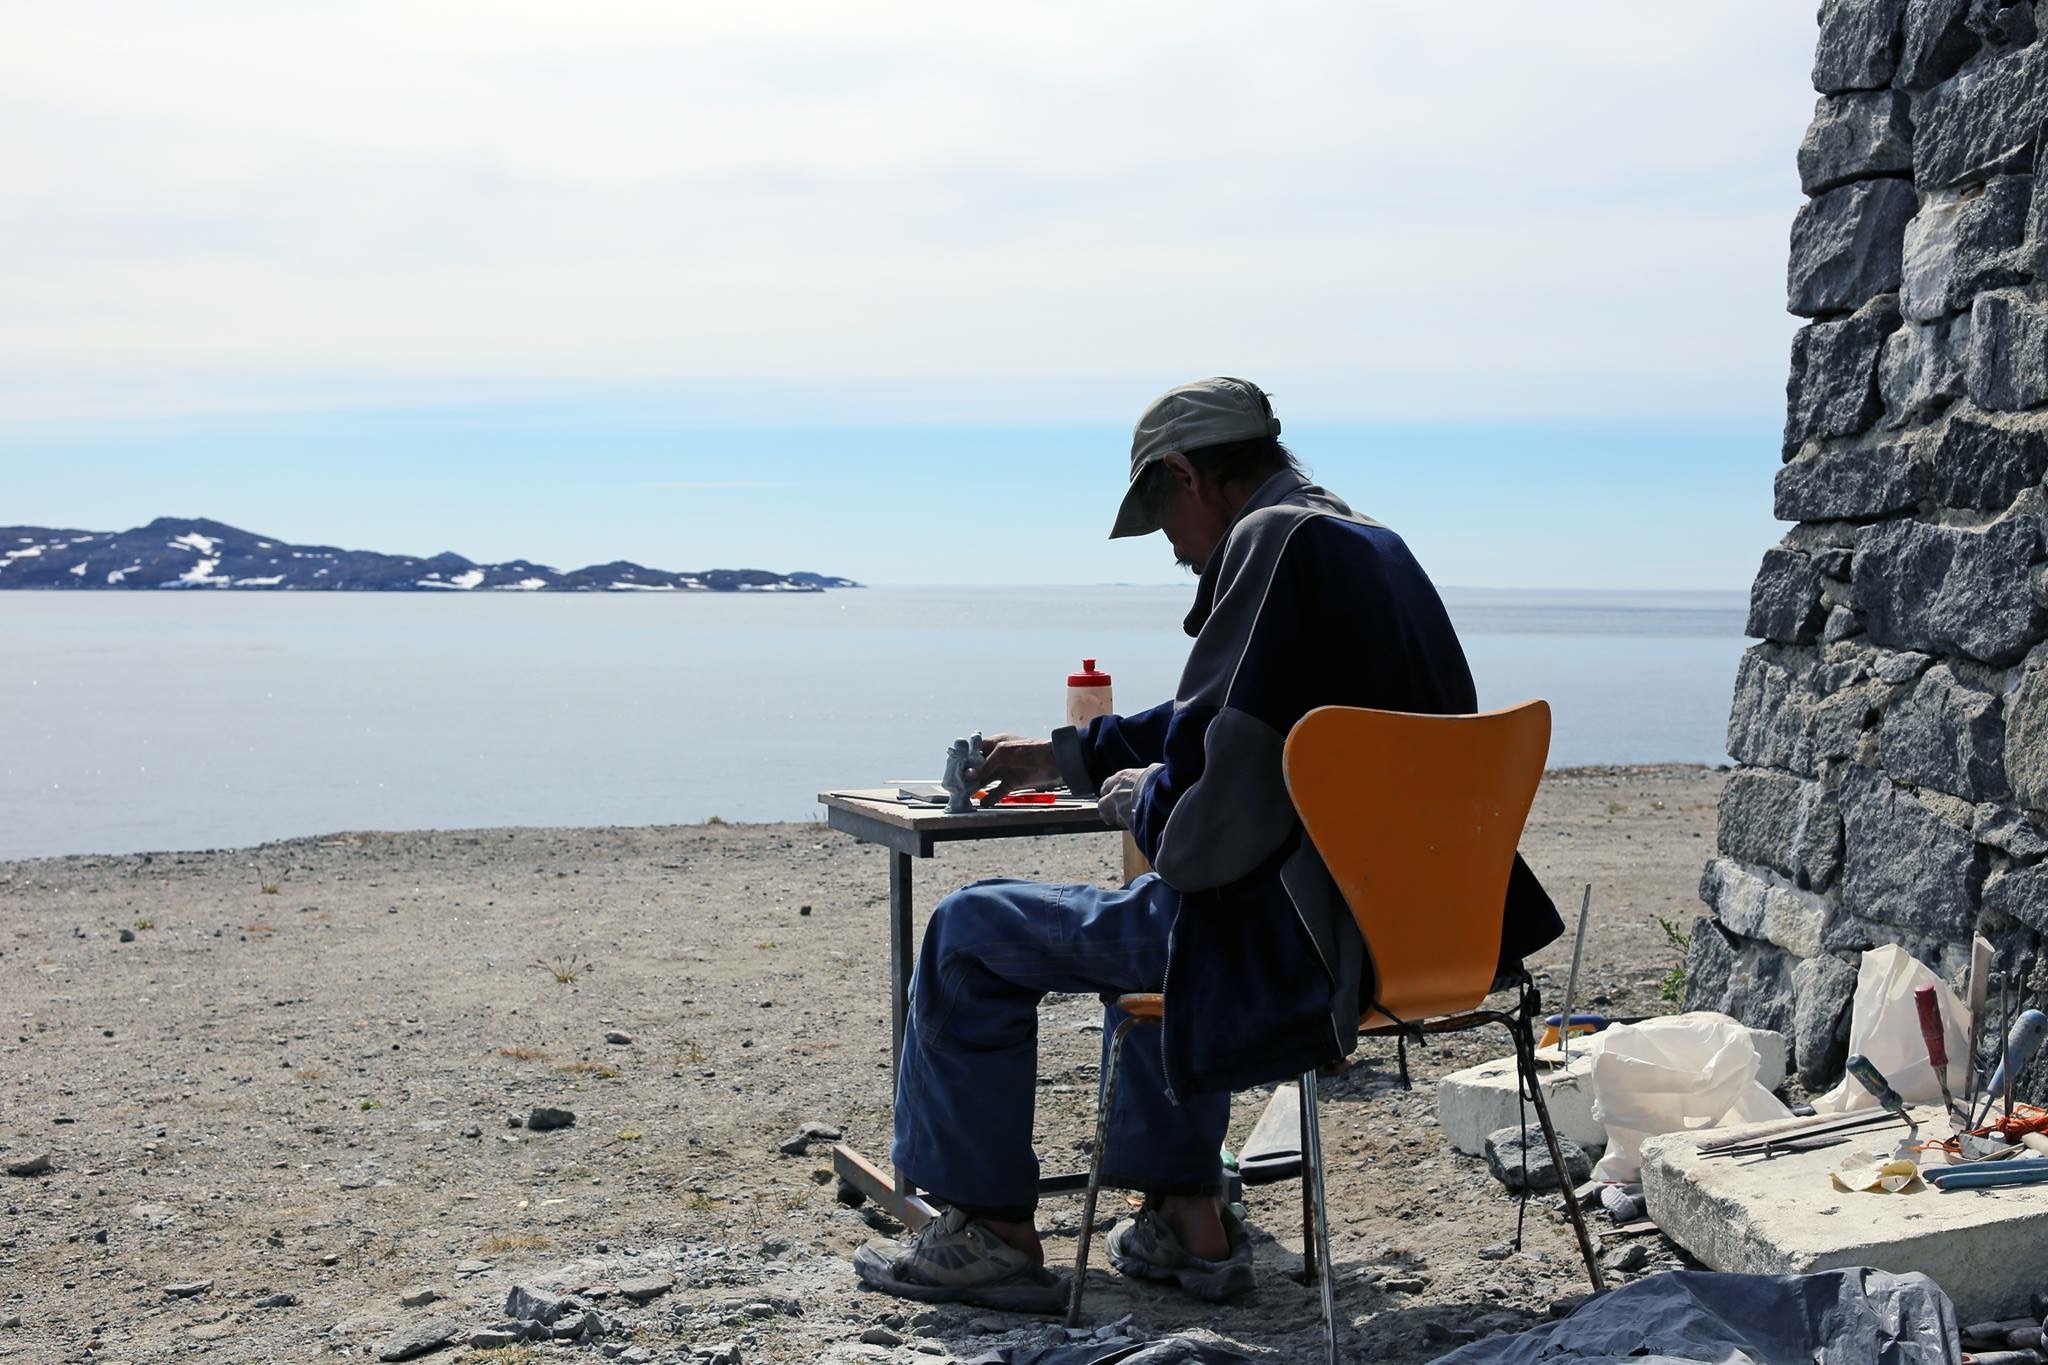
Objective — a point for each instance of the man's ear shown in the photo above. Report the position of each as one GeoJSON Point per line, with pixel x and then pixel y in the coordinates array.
{"type": "Point", "coordinates": [1183, 472]}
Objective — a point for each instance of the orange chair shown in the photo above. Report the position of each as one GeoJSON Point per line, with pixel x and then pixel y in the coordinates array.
{"type": "Point", "coordinates": [1417, 819]}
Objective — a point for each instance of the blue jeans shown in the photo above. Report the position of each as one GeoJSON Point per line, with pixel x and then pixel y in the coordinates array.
{"type": "Point", "coordinates": [969, 1074]}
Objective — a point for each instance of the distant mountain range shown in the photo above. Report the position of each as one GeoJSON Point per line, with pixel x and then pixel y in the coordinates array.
{"type": "Point", "coordinates": [173, 552]}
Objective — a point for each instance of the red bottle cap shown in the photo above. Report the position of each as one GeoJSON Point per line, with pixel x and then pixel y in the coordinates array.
{"type": "Point", "coordinates": [1088, 677]}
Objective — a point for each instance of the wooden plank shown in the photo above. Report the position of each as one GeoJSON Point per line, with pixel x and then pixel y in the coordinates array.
{"type": "Point", "coordinates": [865, 1176]}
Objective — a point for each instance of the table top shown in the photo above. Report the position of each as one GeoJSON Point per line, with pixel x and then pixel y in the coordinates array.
{"type": "Point", "coordinates": [873, 814]}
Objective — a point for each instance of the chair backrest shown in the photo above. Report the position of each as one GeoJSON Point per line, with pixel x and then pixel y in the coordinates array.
{"type": "Point", "coordinates": [1417, 818]}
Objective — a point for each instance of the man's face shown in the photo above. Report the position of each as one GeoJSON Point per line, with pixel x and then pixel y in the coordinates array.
{"type": "Point", "coordinates": [1193, 513]}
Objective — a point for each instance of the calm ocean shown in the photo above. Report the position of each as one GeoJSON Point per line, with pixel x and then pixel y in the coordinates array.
{"type": "Point", "coordinates": [133, 721]}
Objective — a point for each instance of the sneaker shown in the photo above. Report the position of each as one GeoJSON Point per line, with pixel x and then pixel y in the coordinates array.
{"type": "Point", "coordinates": [1146, 1249]}
{"type": "Point", "coordinates": [958, 1260]}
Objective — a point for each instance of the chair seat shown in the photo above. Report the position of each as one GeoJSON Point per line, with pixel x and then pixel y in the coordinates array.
{"type": "Point", "coordinates": [1143, 1006]}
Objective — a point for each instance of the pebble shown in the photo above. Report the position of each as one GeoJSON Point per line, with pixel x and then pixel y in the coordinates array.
{"type": "Point", "coordinates": [127, 936]}
{"type": "Point", "coordinates": [278, 1301]}
{"type": "Point", "coordinates": [418, 1338]}
{"type": "Point", "coordinates": [544, 1119]}
{"type": "Point", "coordinates": [190, 1290]}
{"type": "Point", "coordinates": [880, 1336]}
{"type": "Point", "coordinates": [34, 1165]}
{"type": "Point", "coordinates": [494, 1338]}
{"type": "Point", "coordinates": [1405, 1284]}
{"type": "Point", "coordinates": [420, 1297]}
{"type": "Point", "coordinates": [647, 1287]}
{"type": "Point", "coordinates": [1499, 1251]}
{"type": "Point", "coordinates": [472, 1267]}
{"type": "Point", "coordinates": [618, 1037]}
{"type": "Point", "coordinates": [1630, 1258]}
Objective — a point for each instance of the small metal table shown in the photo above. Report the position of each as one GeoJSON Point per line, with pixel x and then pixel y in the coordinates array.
{"type": "Point", "coordinates": [874, 816]}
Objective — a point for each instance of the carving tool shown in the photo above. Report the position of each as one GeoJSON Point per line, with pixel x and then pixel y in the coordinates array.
{"type": "Point", "coordinates": [2021, 1044]}
{"type": "Point", "coordinates": [1995, 1086]}
{"type": "Point", "coordinates": [1980, 979]}
{"type": "Point", "coordinates": [1818, 1132]}
{"type": "Point", "coordinates": [1935, 1036]}
{"type": "Point", "coordinates": [1987, 1175]}
{"type": "Point", "coordinates": [1871, 1079]}
{"type": "Point", "coordinates": [1571, 981]}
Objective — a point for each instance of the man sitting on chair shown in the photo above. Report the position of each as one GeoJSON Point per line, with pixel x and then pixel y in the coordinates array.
{"type": "Point", "coordinates": [1301, 603]}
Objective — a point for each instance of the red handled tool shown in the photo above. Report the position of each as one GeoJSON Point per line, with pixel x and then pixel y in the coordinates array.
{"type": "Point", "coordinates": [1936, 1037]}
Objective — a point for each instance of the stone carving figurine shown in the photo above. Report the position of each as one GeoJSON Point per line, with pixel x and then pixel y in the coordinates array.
{"type": "Point", "coordinates": [965, 756]}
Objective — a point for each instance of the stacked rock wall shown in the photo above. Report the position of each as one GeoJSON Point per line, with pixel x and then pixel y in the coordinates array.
{"type": "Point", "coordinates": [1891, 728]}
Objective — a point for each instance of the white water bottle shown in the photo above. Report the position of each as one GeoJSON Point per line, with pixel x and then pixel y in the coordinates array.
{"type": "Point", "coordinates": [1088, 695]}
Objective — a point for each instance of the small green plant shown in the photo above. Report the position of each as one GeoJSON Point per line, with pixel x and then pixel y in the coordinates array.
{"type": "Point", "coordinates": [564, 970]}
{"type": "Point", "coordinates": [269, 884]}
{"type": "Point", "coordinates": [714, 819]}
{"type": "Point", "coordinates": [368, 1105]}
{"type": "Point", "coordinates": [699, 1203]}
{"type": "Point", "coordinates": [144, 923]}
{"type": "Point", "coordinates": [630, 1135]}
{"type": "Point", "coordinates": [1672, 989]}
{"type": "Point", "coordinates": [691, 1055]}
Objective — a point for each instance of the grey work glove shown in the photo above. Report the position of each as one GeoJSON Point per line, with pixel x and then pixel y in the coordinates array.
{"type": "Point", "coordinates": [1117, 798]}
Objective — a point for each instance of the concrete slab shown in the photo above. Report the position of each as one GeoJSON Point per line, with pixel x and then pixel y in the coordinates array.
{"type": "Point", "coordinates": [1481, 1099]}
{"type": "Point", "coordinates": [1782, 1216]}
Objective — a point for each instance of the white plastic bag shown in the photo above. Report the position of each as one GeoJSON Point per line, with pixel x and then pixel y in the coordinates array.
{"type": "Point", "coordinates": [1885, 1027]}
{"type": "Point", "coordinates": [1663, 1075]}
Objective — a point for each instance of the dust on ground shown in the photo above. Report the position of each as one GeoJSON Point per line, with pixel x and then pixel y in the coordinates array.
{"type": "Point", "coordinates": [285, 1076]}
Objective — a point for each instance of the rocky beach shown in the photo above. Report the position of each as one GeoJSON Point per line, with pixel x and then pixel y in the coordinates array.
{"type": "Point", "coordinates": [379, 1095]}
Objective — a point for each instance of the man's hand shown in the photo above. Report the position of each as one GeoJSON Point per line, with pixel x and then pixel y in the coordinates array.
{"type": "Point", "coordinates": [1019, 764]}
{"type": "Point", "coordinates": [1118, 797]}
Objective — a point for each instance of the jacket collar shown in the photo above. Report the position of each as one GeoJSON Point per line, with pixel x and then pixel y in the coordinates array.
{"type": "Point", "coordinates": [1274, 491]}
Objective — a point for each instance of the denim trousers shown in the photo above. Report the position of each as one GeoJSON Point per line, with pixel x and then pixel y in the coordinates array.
{"type": "Point", "coordinates": [969, 1075]}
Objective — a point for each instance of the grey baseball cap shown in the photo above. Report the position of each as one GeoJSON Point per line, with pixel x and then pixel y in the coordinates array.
{"type": "Point", "coordinates": [1208, 412]}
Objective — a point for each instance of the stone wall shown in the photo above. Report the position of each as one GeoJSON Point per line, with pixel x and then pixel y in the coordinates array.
{"type": "Point", "coordinates": [1891, 728]}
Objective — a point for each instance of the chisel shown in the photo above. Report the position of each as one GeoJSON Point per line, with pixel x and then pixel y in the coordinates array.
{"type": "Point", "coordinates": [1871, 1079]}
{"type": "Point", "coordinates": [1935, 1035]}
{"type": "Point", "coordinates": [2021, 1044]}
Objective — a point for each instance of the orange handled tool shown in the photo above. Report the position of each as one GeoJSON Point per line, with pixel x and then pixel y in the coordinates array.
{"type": "Point", "coordinates": [1936, 1037]}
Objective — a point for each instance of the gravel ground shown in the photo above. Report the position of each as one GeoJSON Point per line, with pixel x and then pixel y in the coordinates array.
{"type": "Point", "coordinates": [281, 1093]}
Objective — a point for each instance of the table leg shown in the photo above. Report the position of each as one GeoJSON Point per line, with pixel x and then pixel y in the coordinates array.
{"type": "Point", "coordinates": [902, 953]}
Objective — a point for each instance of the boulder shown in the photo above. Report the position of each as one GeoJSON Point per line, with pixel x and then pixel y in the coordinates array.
{"type": "Point", "coordinates": [2006, 364]}
{"type": "Point", "coordinates": [1856, 137]}
{"type": "Point", "coordinates": [1982, 122]}
{"type": "Point", "coordinates": [1938, 40]}
{"type": "Point", "coordinates": [1520, 1159]}
{"type": "Point", "coordinates": [1850, 483]}
{"type": "Point", "coordinates": [1904, 864]}
{"type": "Point", "coordinates": [1776, 820]}
{"type": "Point", "coordinates": [1985, 462]}
{"type": "Point", "coordinates": [1832, 390]}
{"type": "Point", "coordinates": [1710, 963]}
{"type": "Point", "coordinates": [1784, 602]}
{"type": "Point", "coordinates": [1961, 243]}
{"type": "Point", "coordinates": [1755, 906]}
{"type": "Point", "coordinates": [1769, 716]}
{"type": "Point", "coordinates": [1848, 246]}
{"type": "Point", "coordinates": [1951, 590]}
{"type": "Point", "coordinates": [2026, 735]}
{"type": "Point", "coordinates": [1760, 987]}
{"type": "Point", "coordinates": [1921, 369]}
{"type": "Point", "coordinates": [1948, 735]}
{"type": "Point", "coordinates": [2021, 894]}
{"type": "Point", "coordinates": [1822, 988]}
{"type": "Point", "coordinates": [1858, 48]}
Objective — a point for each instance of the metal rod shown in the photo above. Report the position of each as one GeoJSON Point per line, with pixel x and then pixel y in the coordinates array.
{"type": "Point", "coordinates": [1571, 981]}
{"type": "Point", "coordinates": [2005, 1045]}
{"type": "Point", "coordinates": [1315, 1242]}
{"type": "Point", "coordinates": [1106, 1099]}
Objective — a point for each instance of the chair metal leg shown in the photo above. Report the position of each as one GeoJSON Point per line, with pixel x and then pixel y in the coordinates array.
{"type": "Point", "coordinates": [1108, 1097]}
{"type": "Point", "coordinates": [1315, 1215]}
{"type": "Point", "coordinates": [1564, 1180]}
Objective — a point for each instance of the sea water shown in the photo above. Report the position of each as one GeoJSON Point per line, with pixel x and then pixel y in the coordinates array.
{"type": "Point", "coordinates": [132, 721]}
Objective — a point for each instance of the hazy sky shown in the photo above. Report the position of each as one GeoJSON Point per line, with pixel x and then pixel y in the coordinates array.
{"type": "Point", "coordinates": [878, 289]}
